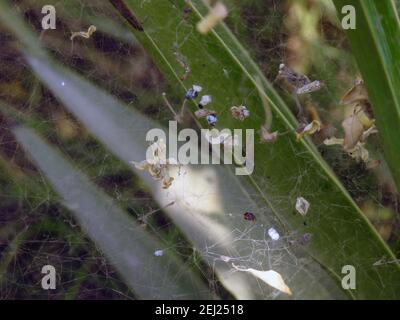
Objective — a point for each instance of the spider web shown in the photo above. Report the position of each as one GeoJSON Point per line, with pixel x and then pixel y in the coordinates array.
{"type": "Point", "coordinates": [35, 230]}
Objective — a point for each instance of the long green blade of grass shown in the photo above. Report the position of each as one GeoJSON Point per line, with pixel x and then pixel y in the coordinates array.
{"type": "Point", "coordinates": [375, 45]}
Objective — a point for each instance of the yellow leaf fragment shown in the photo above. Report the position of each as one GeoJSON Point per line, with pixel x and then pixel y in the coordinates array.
{"type": "Point", "coordinates": [92, 29]}
{"type": "Point", "coordinates": [309, 129]}
{"type": "Point", "coordinates": [359, 153]}
{"type": "Point", "coordinates": [366, 121]}
{"type": "Point", "coordinates": [218, 13]}
{"type": "Point", "coordinates": [270, 277]}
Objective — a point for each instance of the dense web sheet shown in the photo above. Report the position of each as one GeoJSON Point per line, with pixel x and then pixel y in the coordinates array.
{"type": "Point", "coordinates": [217, 240]}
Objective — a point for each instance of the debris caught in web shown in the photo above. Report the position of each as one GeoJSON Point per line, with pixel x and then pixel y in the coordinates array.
{"type": "Point", "coordinates": [240, 113]}
{"type": "Point", "coordinates": [357, 128]}
{"type": "Point", "coordinates": [193, 92]}
{"type": "Point", "coordinates": [270, 277]}
{"type": "Point", "coordinates": [308, 129]}
{"type": "Point", "coordinates": [302, 206]}
{"type": "Point", "coordinates": [216, 14]}
{"type": "Point", "coordinates": [249, 216]}
{"type": "Point", "coordinates": [297, 83]}
{"type": "Point", "coordinates": [158, 165]}
{"type": "Point", "coordinates": [354, 127]}
{"type": "Point", "coordinates": [357, 94]}
{"type": "Point", "coordinates": [205, 100]}
{"type": "Point", "coordinates": [84, 34]}
{"type": "Point", "coordinates": [159, 253]}
{"type": "Point", "coordinates": [273, 234]}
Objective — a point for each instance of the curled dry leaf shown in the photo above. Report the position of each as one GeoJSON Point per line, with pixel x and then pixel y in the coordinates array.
{"type": "Point", "coordinates": [217, 13]}
{"type": "Point", "coordinates": [357, 94]}
{"type": "Point", "coordinates": [353, 130]}
{"type": "Point", "coordinates": [84, 34]}
{"type": "Point", "coordinates": [273, 234]}
{"type": "Point", "coordinates": [193, 92]}
{"type": "Point", "coordinates": [358, 152]}
{"type": "Point", "coordinates": [354, 127]}
{"type": "Point", "coordinates": [158, 164]}
{"type": "Point", "coordinates": [270, 277]}
{"type": "Point", "coordinates": [309, 129]}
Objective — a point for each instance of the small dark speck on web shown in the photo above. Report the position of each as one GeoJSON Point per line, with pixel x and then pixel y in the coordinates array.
{"type": "Point", "coordinates": [249, 216]}
{"type": "Point", "coordinates": [127, 14]}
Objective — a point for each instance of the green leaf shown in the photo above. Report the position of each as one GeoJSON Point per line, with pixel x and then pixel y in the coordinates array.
{"type": "Point", "coordinates": [375, 45]}
{"type": "Point", "coordinates": [124, 242]}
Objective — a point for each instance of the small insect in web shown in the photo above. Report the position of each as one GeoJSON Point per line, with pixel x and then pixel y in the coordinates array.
{"type": "Point", "coordinates": [84, 34]}
{"type": "Point", "coordinates": [297, 83]}
{"type": "Point", "coordinates": [249, 216]}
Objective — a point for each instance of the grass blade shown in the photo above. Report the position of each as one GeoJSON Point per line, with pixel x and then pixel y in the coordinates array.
{"type": "Point", "coordinates": [129, 248]}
